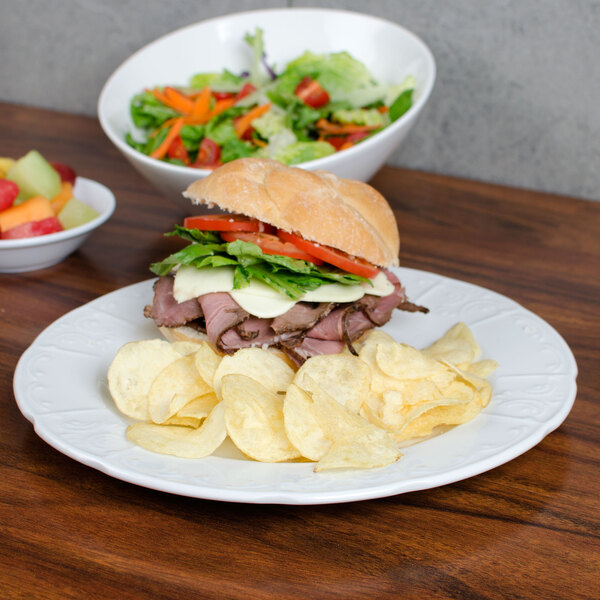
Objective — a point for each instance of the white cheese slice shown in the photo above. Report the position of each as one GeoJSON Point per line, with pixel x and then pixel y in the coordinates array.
{"type": "Point", "coordinates": [262, 305]}
{"type": "Point", "coordinates": [191, 282]}
{"type": "Point", "coordinates": [380, 285]}
{"type": "Point", "coordinates": [260, 299]}
{"type": "Point", "coordinates": [334, 292]}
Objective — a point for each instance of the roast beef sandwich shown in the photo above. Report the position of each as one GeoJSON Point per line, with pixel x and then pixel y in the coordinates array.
{"type": "Point", "coordinates": [298, 261]}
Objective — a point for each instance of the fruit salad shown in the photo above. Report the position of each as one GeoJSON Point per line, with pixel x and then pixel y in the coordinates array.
{"type": "Point", "coordinates": [36, 198]}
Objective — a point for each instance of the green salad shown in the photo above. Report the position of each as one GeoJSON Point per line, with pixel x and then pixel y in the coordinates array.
{"type": "Point", "coordinates": [317, 105]}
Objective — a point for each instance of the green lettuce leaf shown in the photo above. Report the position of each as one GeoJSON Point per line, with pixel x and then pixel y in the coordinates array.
{"type": "Point", "coordinates": [360, 116]}
{"type": "Point", "coordinates": [288, 276]}
{"type": "Point", "coordinates": [148, 113]}
{"type": "Point", "coordinates": [256, 42]}
{"type": "Point", "coordinates": [400, 105]}
{"type": "Point", "coordinates": [303, 151]}
{"type": "Point", "coordinates": [218, 82]}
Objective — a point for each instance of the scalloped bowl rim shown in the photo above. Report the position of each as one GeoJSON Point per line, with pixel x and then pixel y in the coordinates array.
{"type": "Point", "coordinates": [323, 163]}
{"type": "Point", "coordinates": [68, 234]}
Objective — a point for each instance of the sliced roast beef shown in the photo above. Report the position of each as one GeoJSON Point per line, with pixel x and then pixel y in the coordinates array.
{"type": "Point", "coordinates": [301, 316]}
{"type": "Point", "coordinates": [329, 328]}
{"type": "Point", "coordinates": [307, 329]}
{"type": "Point", "coordinates": [354, 324]}
{"type": "Point", "coordinates": [412, 307]}
{"type": "Point", "coordinates": [312, 347]}
{"type": "Point", "coordinates": [380, 309]}
{"type": "Point", "coordinates": [347, 323]}
{"type": "Point", "coordinates": [166, 311]}
{"type": "Point", "coordinates": [221, 313]}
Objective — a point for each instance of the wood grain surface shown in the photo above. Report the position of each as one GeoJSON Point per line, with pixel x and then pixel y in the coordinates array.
{"type": "Point", "coordinates": [527, 529]}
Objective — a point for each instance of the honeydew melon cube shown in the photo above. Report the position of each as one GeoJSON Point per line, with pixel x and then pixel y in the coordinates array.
{"type": "Point", "coordinates": [75, 213]}
{"type": "Point", "coordinates": [35, 176]}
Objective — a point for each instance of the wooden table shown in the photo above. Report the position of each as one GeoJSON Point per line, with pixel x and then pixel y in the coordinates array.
{"type": "Point", "coordinates": [527, 529]}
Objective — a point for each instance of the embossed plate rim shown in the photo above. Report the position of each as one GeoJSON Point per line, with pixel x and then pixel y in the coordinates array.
{"type": "Point", "coordinates": [295, 483]}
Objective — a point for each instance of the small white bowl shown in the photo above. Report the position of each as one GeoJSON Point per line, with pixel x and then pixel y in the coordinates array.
{"type": "Point", "coordinates": [32, 254]}
{"type": "Point", "coordinates": [389, 51]}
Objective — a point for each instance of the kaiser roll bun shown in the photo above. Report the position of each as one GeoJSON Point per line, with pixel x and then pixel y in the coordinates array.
{"type": "Point", "coordinates": [348, 215]}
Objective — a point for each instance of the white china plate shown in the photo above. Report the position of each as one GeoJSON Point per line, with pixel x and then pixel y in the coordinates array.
{"type": "Point", "coordinates": [60, 386]}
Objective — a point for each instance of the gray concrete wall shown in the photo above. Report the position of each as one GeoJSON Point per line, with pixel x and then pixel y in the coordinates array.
{"type": "Point", "coordinates": [516, 100]}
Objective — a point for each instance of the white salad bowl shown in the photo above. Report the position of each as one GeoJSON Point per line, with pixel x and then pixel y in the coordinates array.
{"type": "Point", "coordinates": [40, 252]}
{"type": "Point", "coordinates": [389, 51]}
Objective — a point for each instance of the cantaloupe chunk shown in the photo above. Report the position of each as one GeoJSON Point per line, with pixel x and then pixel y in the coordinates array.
{"type": "Point", "coordinates": [33, 209]}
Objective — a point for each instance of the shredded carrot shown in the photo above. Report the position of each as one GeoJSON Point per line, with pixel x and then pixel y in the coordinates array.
{"type": "Point", "coordinates": [220, 106]}
{"type": "Point", "coordinates": [244, 122]}
{"type": "Point", "coordinates": [179, 101]}
{"type": "Point", "coordinates": [324, 126]}
{"type": "Point", "coordinates": [202, 104]}
{"type": "Point", "coordinates": [173, 99]}
{"type": "Point", "coordinates": [171, 135]}
{"type": "Point", "coordinates": [167, 123]}
{"type": "Point", "coordinates": [259, 142]}
{"type": "Point", "coordinates": [383, 109]}
{"type": "Point", "coordinates": [159, 95]}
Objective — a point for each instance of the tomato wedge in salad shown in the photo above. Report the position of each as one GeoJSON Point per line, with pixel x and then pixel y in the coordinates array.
{"type": "Point", "coordinates": [337, 258]}
{"type": "Point", "coordinates": [226, 222]}
{"type": "Point", "coordinates": [271, 244]}
{"type": "Point", "coordinates": [209, 155]}
{"type": "Point", "coordinates": [311, 93]}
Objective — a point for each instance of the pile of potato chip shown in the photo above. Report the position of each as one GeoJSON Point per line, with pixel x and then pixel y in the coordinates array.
{"type": "Point", "coordinates": [341, 411]}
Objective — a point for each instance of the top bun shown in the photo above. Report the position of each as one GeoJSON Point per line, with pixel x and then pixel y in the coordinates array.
{"type": "Point", "coordinates": [345, 214]}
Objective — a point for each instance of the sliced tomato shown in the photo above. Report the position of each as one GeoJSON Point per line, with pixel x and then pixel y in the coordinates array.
{"type": "Point", "coordinates": [177, 150]}
{"type": "Point", "coordinates": [246, 90]}
{"type": "Point", "coordinates": [337, 141]}
{"type": "Point", "coordinates": [248, 132]}
{"type": "Point", "coordinates": [209, 155]}
{"type": "Point", "coordinates": [223, 95]}
{"type": "Point", "coordinates": [226, 222]}
{"type": "Point", "coordinates": [357, 136]}
{"type": "Point", "coordinates": [271, 244]}
{"type": "Point", "coordinates": [334, 257]}
{"type": "Point", "coordinates": [312, 93]}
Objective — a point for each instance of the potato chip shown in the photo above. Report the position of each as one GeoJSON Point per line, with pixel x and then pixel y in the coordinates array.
{"type": "Point", "coordinates": [254, 419]}
{"type": "Point", "coordinates": [199, 408]}
{"type": "Point", "coordinates": [132, 372]}
{"type": "Point", "coordinates": [343, 376]}
{"type": "Point", "coordinates": [301, 424]}
{"type": "Point", "coordinates": [366, 450]}
{"type": "Point", "coordinates": [207, 360]}
{"type": "Point", "coordinates": [184, 421]}
{"type": "Point", "coordinates": [380, 381]}
{"type": "Point", "coordinates": [401, 361]}
{"type": "Point", "coordinates": [334, 419]}
{"type": "Point", "coordinates": [261, 365]}
{"type": "Point", "coordinates": [194, 412]}
{"type": "Point", "coordinates": [182, 441]}
{"type": "Point", "coordinates": [176, 385]}
{"type": "Point", "coordinates": [456, 346]}
{"type": "Point", "coordinates": [482, 386]}
{"type": "Point", "coordinates": [341, 411]}
{"type": "Point", "coordinates": [481, 369]}
{"type": "Point", "coordinates": [185, 347]}
{"type": "Point", "coordinates": [445, 414]}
